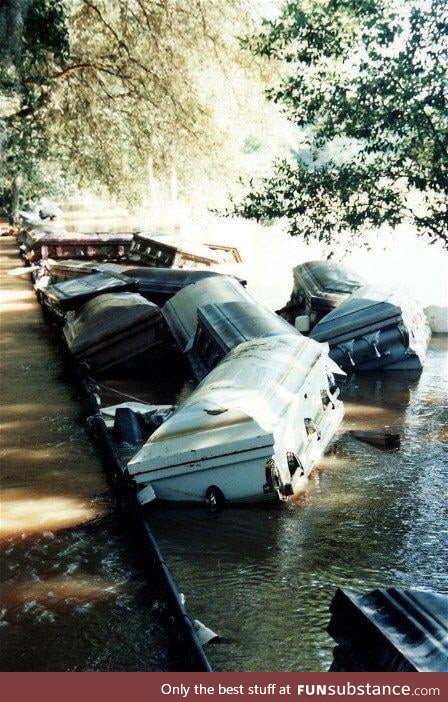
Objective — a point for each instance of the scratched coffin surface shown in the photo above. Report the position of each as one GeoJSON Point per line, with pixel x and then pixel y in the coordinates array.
{"type": "Point", "coordinates": [181, 312]}
{"type": "Point", "coordinates": [71, 294]}
{"type": "Point", "coordinates": [390, 630]}
{"type": "Point", "coordinates": [113, 328]}
{"type": "Point", "coordinates": [376, 328]}
{"type": "Point", "coordinates": [253, 429]}
{"type": "Point", "coordinates": [320, 286]}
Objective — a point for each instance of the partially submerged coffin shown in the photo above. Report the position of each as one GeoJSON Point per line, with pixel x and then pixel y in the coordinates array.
{"type": "Point", "coordinates": [71, 294]}
{"type": "Point", "coordinates": [166, 251]}
{"type": "Point", "coordinates": [181, 312]}
{"type": "Point", "coordinates": [113, 328]}
{"type": "Point", "coordinates": [223, 326]}
{"type": "Point", "coordinates": [320, 287]}
{"type": "Point", "coordinates": [253, 429]}
{"type": "Point", "coordinates": [376, 328]}
{"type": "Point", "coordinates": [62, 244]}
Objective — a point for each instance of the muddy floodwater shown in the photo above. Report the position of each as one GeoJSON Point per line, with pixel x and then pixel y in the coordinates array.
{"type": "Point", "coordinates": [74, 593]}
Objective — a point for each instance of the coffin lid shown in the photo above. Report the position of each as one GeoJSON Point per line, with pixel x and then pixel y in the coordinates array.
{"type": "Point", "coordinates": [105, 316]}
{"type": "Point", "coordinates": [177, 244]}
{"type": "Point", "coordinates": [70, 292]}
{"type": "Point", "coordinates": [181, 312]}
{"type": "Point", "coordinates": [166, 280]}
{"type": "Point", "coordinates": [84, 267]}
{"type": "Point", "coordinates": [366, 309]}
{"type": "Point", "coordinates": [392, 629]}
{"type": "Point", "coordinates": [88, 239]}
{"type": "Point", "coordinates": [231, 323]}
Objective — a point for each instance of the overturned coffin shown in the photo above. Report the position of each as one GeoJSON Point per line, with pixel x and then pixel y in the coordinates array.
{"type": "Point", "coordinates": [320, 287]}
{"type": "Point", "coordinates": [376, 328]}
{"type": "Point", "coordinates": [164, 251]}
{"type": "Point", "coordinates": [62, 244]}
{"type": "Point", "coordinates": [389, 631]}
{"type": "Point", "coordinates": [113, 328]}
{"type": "Point", "coordinates": [71, 294]}
{"type": "Point", "coordinates": [253, 429]}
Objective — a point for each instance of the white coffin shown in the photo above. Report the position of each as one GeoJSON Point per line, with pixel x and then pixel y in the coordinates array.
{"type": "Point", "coordinates": [249, 411]}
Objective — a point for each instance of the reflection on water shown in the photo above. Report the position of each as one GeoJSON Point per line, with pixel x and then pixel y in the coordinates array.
{"type": "Point", "coordinates": [263, 577]}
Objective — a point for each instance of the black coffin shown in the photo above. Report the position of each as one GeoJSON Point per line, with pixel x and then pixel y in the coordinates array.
{"type": "Point", "coordinates": [160, 284]}
{"type": "Point", "coordinates": [320, 286]}
{"type": "Point", "coordinates": [375, 329]}
{"type": "Point", "coordinates": [389, 631]}
{"type": "Point", "coordinates": [71, 294]}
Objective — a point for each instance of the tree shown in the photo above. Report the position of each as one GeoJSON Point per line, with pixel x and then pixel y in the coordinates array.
{"type": "Point", "coordinates": [98, 88]}
{"type": "Point", "coordinates": [34, 38]}
{"type": "Point", "coordinates": [366, 84]}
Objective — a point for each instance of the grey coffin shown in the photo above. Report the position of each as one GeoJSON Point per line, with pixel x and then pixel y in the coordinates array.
{"type": "Point", "coordinates": [113, 328]}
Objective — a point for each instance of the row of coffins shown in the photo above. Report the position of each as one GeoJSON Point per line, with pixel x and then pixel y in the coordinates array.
{"type": "Point", "coordinates": [261, 417]}
{"type": "Point", "coordinates": [267, 405]}
{"type": "Point", "coordinates": [43, 241]}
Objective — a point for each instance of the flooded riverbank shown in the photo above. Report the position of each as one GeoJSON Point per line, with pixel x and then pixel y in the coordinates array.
{"type": "Point", "coordinates": [369, 518]}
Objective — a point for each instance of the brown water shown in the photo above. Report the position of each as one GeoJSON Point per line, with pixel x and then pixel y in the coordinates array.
{"type": "Point", "coordinates": [262, 577]}
{"type": "Point", "coordinates": [73, 593]}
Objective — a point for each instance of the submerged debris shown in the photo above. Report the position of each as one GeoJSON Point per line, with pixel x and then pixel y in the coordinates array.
{"type": "Point", "coordinates": [381, 440]}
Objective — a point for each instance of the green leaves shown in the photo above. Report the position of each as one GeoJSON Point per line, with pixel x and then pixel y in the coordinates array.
{"type": "Point", "coordinates": [371, 74]}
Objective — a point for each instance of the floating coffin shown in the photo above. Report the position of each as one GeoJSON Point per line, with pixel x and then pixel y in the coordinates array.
{"type": "Point", "coordinates": [389, 631]}
{"type": "Point", "coordinates": [181, 312]}
{"type": "Point", "coordinates": [223, 326]}
{"type": "Point", "coordinates": [253, 429]}
{"type": "Point", "coordinates": [71, 294]}
{"type": "Point", "coordinates": [375, 329]}
{"type": "Point", "coordinates": [70, 245]}
{"type": "Point", "coordinates": [113, 328]}
{"type": "Point", "coordinates": [171, 252]}
{"type": "Point", "coordinates": [320, 286]}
